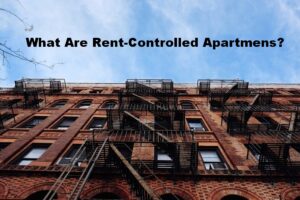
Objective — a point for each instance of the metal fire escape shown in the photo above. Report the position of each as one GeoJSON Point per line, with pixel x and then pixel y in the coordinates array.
{"type": "Point", "coordinates": [113, 149]}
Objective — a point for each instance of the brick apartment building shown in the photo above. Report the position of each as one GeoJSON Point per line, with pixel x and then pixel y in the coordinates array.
{"type": "Point", "coordinates": [150, 139]}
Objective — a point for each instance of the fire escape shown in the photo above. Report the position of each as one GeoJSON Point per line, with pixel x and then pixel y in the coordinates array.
{"type": "Point", "coordinates": [276, 145]}
{"type": "Point", "coordinates": [147, 119]}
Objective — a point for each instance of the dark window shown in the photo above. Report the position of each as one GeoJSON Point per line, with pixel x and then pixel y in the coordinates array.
{"type": "Point", "coordinates": [109, 105]}
{"type": "Point", "coordinates": [6, 116]}
{"type": "Point", "coordinates": [196, 125]}
{"type": "Point", "coordinates": [39, 195]}
{"type": "Point", "coordinates": [106, 195]}
{"type": "Point", "coordinates": [182, 92]}
{"type": "Point", "coordinates": [67, 158]}
{"type": "Point", "coordinates": [212, 159]}
{"type": "Point", "coordinates": [65, 123]}
{"type": "Point", "coordinates": [97, 122]}
{"type": "Point", "coordinates": [187, 105]}
{"type": "Point", "coordinates": [76, 90]}
{"type": "Point", "coordinates": [59, 104]}
{"type": "Point", "coordinates": [233, 197]}
{"type": "Point", "coordinates": [84, 104]}
{"type": "Point", "coordinates": [95, 91]}
{"type": "Point", "coordinates": [34, 153]}
{"type": "Point", "coordinates": [33, 122]}
{"type": "Point", "coordinates": [3, 145]}
{"type": "Point", "coordinates": [170, 196]}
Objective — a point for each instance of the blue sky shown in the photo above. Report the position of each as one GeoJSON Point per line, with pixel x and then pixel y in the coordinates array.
{"type": "Point", "coordinates": [112, 19]}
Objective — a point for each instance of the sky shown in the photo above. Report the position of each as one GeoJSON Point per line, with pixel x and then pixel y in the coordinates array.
{"type": "Point", "coordinates": [150, 19]}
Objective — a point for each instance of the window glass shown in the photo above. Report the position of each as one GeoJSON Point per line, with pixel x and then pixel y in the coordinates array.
{"type": "Point", "coordinates": [67, 158]}
{"type": "Point", "coordinates": [59, 104]}
{"type": "Point", "coordinates": [96, 122]}
{"type": "Point", "coordinates": [212, 160]}
{"type": "Point", "coordinates": [84, 104]}
{"type": "Point", "coordinates": [33, 154]}
{"type": "Point", "coordinates": [109, 105]}
{"type": "Point", "coordinates": [187, 105]}
{"type": "Point", "coordinates": [33, 122]}
{"type": "Point", "coordinates": [196, 125]}
{"type": "Point", "coordinates": [65, 123]}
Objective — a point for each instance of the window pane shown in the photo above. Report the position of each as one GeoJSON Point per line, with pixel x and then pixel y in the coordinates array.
{"type": "Point", "coordinates": [109, 105]}
{"type": "Point", "coordinates": [65, 123]}
{"type": "Point", "coordinates": [187, 105]}
{"type": "Point", "coordinates": [97, 122]}
{"type": "Point", "coordinates": [210, 156]}
{"type": "Point", "coordinates": [84, 104]}
{"type": "Point", "coordinates": [25, 162]}
{"type": "Point", "coordinates": [33, 122]}
{"type": "Point", "coordinates": [59, 104]}
{"type": "Point", "coordinates": [164, 157]}
{"type": "Point", "coordinates": [196, 125]}
{"type": "Point", "coordinates": [35, 153]}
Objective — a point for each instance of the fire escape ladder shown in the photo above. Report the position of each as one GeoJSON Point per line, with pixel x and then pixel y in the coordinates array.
{"type": "Point", "coordinates": [87, 170]}
{"type": "Point", "coordinates": [66, 172]}
{"type": "Point", "coordinates": [229, 92]}
{"type": "Point", "coordinates": [137, 183]}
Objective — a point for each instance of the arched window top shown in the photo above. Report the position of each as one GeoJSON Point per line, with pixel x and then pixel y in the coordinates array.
{"type": "Point", "coordinates": [39, 195]}
{"type": "Point", "coordinates": [109, 104]}
{"type": "Point", "coordinates": [187, 105]}
{"type": "Point", "coordinates": [59, 103]}
{"type": "Point", "coordinates": [170, 196]}
{"type": "Point", "coordinates": [106, 195]}
{"type": "Point", "coordinates": [84, 104]}
{"type": "Point", "coordinates": [234, 197]}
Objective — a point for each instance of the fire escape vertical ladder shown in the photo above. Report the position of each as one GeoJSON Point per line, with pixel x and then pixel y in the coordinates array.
{"type": "Point", "coordinates": [87, 171]}
{"type": "Point", "coordinates": [137, 182]}
{"type": "Point", "coordinates": [65, 173]}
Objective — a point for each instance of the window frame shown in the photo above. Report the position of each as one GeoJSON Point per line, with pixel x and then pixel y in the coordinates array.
{"type": "Point", "coordinates": [27, 124]}
{"type": "Point", "coordinates": [58, 126]}
{"type": "Point", "coordinates": [209, 165]}
{"type": "Point", "coordinates": [192, 106]}
{"type": "Point", "coordinates": [66, 158]}
{"type": "Point", "coordinates": [107, 102]}
{"type": "Point", "coordinates": [197, 129]}
{"type": "Point", "coordinates": [80, 106]}
{"type": "Point", "coordinates": [29, 150]}
{"type": "Point", "coordinates": [56, 104]}
{"type": "Point", "coordinates": [88, 126]}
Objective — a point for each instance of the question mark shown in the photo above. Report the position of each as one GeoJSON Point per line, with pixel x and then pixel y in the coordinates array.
{"type": "Point", "coordinates": [280, 40]}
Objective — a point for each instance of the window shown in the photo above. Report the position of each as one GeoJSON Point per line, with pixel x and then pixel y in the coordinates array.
{"type": "Point", "coordinates": [6, 116]}
{"type": "Point", "coordinates": [67, 158]}
{"type": "Point", "coordinates": [59, 104]}
{"type": "Point", "coordinates": [187, 105]}
{"type": "Point", "coordinates": [109, 105]}
{"type": "Point", "coordinates": [164, 161]}
{"type": "Point", "coordinates": [212, 159]}
{"type": "Point", "coordinates": [95, 91]}
{"type": "Point", "coordinates": [181, 92]}
{"type": "Point", "coordinates": [65, 123]}
{"type": "Point", "coordinates": [196, 125]}
{"type": "Point", "coordinates": [33, 122]}
{"type": "Point", "coordinates": [3, 145]}
{"type": "Point", "coordinates": [84, 104]}
{"type": "Point", "coordinates": [33, 154]}
{"type": "Point", "coordinates": [96, 122]}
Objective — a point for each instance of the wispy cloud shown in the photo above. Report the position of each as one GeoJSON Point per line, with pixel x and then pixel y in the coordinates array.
{"type": "Point", "coordinates": [150, 19]}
